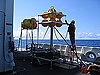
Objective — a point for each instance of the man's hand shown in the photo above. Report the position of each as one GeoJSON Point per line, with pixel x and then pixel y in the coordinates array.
{"type": "Point", "coordinates": [66, 21]}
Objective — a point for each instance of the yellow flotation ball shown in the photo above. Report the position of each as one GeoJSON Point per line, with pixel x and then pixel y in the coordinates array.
{"type": "Point", "coordinates": [52, 9]}
{"type": "Point", "coordinates": [33, 23]}
{"type": "Point", "coordinates": [52, 24]}
{"type": "Point", "coordinates": [52, 15]}
{"type": "Point", "coordinates": [32, 20]}
{"type": "Point", "coordinates": [45, 15]}
{"type": "Point", "coordinates": [45, 23]}
{"type": "Point", "coordinates": [29, 23]}
{"type": "Point", "coordinates": [59, 15]}
{"type": "Point", "coordinates": [58, 23]}
{"type": "Point", "coordinates": [26, 23]}
{"type": "Point", "coordinates": [52, 19]}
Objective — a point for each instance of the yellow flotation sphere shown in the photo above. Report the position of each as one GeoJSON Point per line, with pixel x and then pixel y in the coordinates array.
{"type": "Point", "coordinates": [58, 23]}
{"type": "Point", "coordinates": [45, 15]}
{"type": "Point", "coordinates": [29, 23]}
{"type": "Point", "coordinates": [52, 19]}
{"type": "Point", "coordinates": [33, 24]}
{"type": "Point", "coordinates": [45, 23]}
{"type": "Point", "coordinates": [52, 15]}
{"type": "Point", "coordinates": [24, 24]}
{"type": "Point", "coordinates": [52, 24]}
{"type": "Point", "coordinates": [59, 15]}
{"type": "Point", "coordinates": [52, 9]}
{"type": "Point", "coordinates": [32, 20]}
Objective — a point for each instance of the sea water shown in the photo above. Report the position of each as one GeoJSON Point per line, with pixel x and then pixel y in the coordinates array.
{"type": "Point", "coordinates": [90, 43]}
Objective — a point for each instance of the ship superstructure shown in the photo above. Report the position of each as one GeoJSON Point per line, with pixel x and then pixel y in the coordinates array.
{"type": "Point", "coordinates": [6, 35]}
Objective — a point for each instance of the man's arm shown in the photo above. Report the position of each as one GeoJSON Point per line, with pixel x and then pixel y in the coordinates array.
{"type": "Point", "coordinates": [66, 22]}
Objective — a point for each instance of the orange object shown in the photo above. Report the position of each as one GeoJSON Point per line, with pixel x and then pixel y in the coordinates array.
{"type": "Point", "coordinates": [52, 24]}
{"type": "Point", "coordinates": [59, 15]}
{"type": "Point", "coordinates": [45, 15]}
{"type": "Point", "coordinates": [52, 19]}
{"type": "Point", "coordinates": [29, 23]}
{"type": "Point", "coordinates": [45, 23]}
{"type": "Point", "coordinates": [33, 24]}
{"type": "Point", "coordinates": [84, 70]}
{"type": "Point", "coordinates": [51, 15]}
{"type": "Point", "coordinates": [59, 23]}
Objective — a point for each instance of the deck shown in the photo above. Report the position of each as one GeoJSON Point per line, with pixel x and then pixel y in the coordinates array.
{"type": "Point", "coordinates": [24, 67]}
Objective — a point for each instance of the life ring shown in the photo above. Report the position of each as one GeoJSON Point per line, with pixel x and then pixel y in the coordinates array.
{"type": "Point", "coordinates": [90, 56]}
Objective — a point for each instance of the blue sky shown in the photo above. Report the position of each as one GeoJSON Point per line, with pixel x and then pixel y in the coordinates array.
{"type": "Point", "coordinates": [86, 13]}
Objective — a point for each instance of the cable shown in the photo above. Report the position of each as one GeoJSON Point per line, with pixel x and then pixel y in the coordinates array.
{"type": "Point", "coordinates": [38, 31]}
{"type": "Point", "coordinates": [32, 35]}
{"type": "Point", "coordinates": [20, 39]}
{"type": "Point", "coordinates": [29, 36]}
{"type": "Point", "coordinates": [66, 35]}
{"type": "Point", "coordinates": [56, 35]}
{"type": "Point", "coordinates": [79, 58]}
{"type": "Point", "coordinates": [61, 36]}
{"type": "Point", "coordinates": [45, 33]}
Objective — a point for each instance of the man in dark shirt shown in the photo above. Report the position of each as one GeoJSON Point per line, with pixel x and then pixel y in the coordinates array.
{"type": "Point", "coordinates": [71, 30]}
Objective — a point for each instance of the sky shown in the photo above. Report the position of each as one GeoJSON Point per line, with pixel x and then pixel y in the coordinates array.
{"type": "Point", "coordinates": [86, 14]}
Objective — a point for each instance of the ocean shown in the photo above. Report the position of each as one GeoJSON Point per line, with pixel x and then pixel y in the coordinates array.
{"type": "Point", "coordinates": [90, 43]}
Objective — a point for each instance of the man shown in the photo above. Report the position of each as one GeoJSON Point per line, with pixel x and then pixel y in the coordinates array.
{"type": "Point", "coordinates": [71, 30]}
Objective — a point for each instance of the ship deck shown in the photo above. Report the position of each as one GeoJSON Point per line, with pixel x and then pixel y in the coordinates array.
{"type": "Point", "coordinates": [25, 67]}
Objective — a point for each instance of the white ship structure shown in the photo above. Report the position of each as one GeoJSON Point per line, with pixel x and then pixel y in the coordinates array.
{"type": "Point", "coordinates": [6, 35]}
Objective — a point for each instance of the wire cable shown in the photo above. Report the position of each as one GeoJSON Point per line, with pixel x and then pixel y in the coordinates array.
{"type": "Point", "coordinates": [45, 33]}
{"type": "Point", "coordinates": [61, 36]}
{"type": "Point", "coordinates": [20, 39]}
{"type": "Point", "coordinates": [56, 35]}
{"type": "Point", "coordinates": [66, 35]}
